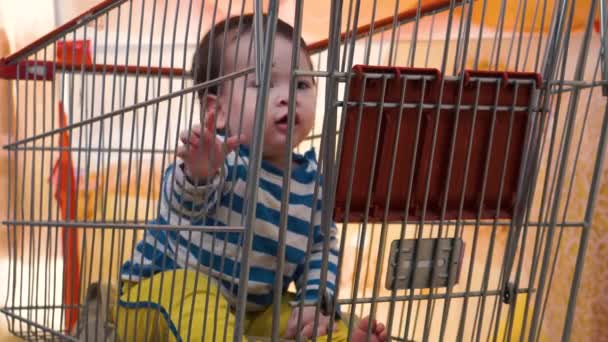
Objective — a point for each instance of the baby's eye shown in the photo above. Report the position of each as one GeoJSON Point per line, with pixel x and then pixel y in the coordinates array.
{"type": "Point", "coordinates": [252, 84]}
{"type": "Point", "coordinates": [303, 85]}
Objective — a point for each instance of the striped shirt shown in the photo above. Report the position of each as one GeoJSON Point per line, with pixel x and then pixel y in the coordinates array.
{"type": "Point", "coordinates": [221, 202]}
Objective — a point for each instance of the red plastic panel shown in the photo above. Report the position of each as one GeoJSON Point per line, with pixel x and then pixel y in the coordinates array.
{"type": "Point", "coordinates": [439, 169]}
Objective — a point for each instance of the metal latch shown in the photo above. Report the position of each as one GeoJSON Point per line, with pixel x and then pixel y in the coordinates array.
{"type": "Point", "coordinates": [444, 270]}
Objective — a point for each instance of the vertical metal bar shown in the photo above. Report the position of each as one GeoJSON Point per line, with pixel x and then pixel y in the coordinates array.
{"type": "Point", "coordinates": [35, 270]}
{"type": "Point", "coordinates": [498, 35]}
{"type": "Point", "coordinates": [568, 196]}
{"type": "Point", "coordinates": [370, 34]}
{"type": "Point", "coordinates": [430, 42]}
{"type": "Point", "coordinates": [16, 198]}
{"type": "Point", "coordinates": [539, 146]}
{"type": "Point", "coordinates": [11, 244]}
{"type": "Point", "coordinates": [458, 231]}
{"type": "Point", "coordinates": [460, 40]}
{"type": "Point", "coordinates": [84, 248]}
{"type": "Point", "coordinates": [579, 74]}
{"type": "Point", "coordinates": [233, 179]}
{"type": "Point", "coordinates": [394, 40]}
{"type": "Point", "coordinates": [554, 40]}
{"type": "Point", "coordinates": [412, 53]}
{"type": "Point", "coordinates": [410, 186]}
{"type": "Point", "coordinates": [48, 238]}
{"type": "Point", "coordinates": [580, 258]}
{"type": "Point", "coordinates": [110, 143]}
{"type": "Point", "coordinates": [540, 36]}
{"type": "Point", "coordinates": [255, 163]}
{"type": "Point", "coordinates": [475, 238]}
{"type": "Point", "coordinates": [406, 213]}
{"type": "Point", "coordinates": [369, 199]}
{"type": "Point", "coordinates": [329, 148]}
{"type": "Point", "coordinates": [480, 37]}
{"type": "Point", "coordinates": [147, 90]}
{"type": "Point", "coordinates": [57, 229]}
{"type": "Point", "coordinates": [345, 43]}
{"type": "Point", "coordinates": [147, 319]}
{"type": "Point", "coordinates": [531, 36]}
{"type": "Point", "coordinates": [258, 36]}
{"type": "Point", "coordinates": [278, 283]}
{"type": "Point", "coordinates": [24, 227]}
{"type": "Point", "coordinates": [514, 229]}
{"type": "Point", "coordinates": [512, 40]}
{"type": "Point", "coordinates": [211, 156]}
{"type": "Point", "coordinates": [604, 49]}
{"type": "Point", "coordinates": [486, 273]}
{"type": "Point", "coordinates": [521, 34]}
{"type": "Point", "coordinates": [120, 139]}
{"type": "Point", "coordinates": [359, 256]}
{"type": "Point", "coordinates": [348, 202]}
{"type": "Point", "coordinates": [234, 278]}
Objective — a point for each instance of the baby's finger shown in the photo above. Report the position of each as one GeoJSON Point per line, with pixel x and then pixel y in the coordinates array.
{"type": "Point", "coordinates": [192, 141]}
{"type": "Point", "coordinates": [182, 151]}
{"type": "Point", "coordinates": [196, 129]}
{"type": "Point", "coordinates": [234, 141]}
{"type": "Point", "coordinates": [184, 136]}
{"type": "Point", "coordinates": [322, 329]}
{"type": "Point", "coordinates": [307, 330]}
{"type": "Point", "coordinates": [210, 121]}
{"type": "Point", "coordinates": [290, 332]}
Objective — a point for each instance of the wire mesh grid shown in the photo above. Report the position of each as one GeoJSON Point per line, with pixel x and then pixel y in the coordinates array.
{"type": "Point", "coordinates": [127, 100]}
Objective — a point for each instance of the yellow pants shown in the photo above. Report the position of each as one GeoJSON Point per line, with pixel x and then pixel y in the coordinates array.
{"type": "Point", "coordinates": [170, 306]}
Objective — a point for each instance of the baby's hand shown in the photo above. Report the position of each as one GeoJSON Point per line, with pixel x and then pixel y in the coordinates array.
{"type": "Point", "coordinates": [202, 152]}
{"type": "Point", "coordinates": [308, 321]}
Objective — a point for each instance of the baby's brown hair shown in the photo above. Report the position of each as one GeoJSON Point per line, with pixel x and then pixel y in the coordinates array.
{"type": "Point", "coordinates": [206, 67]}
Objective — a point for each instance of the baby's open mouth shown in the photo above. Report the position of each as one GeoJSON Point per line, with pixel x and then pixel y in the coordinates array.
{"type": "Point", "coordinates": [283, 120]}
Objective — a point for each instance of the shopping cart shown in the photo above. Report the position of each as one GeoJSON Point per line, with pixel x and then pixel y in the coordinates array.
{"type": "Point", "coordinates": [450, 134]}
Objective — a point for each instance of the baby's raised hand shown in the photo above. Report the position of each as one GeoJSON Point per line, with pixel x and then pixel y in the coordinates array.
{"type": "Point", "coordinates": [202, 151]}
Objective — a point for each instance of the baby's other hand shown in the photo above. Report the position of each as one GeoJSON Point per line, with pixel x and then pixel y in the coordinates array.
{"type": "Point", "coordinates": [202, 151]}
{"type": "Point", "coordinates": [308, 321]}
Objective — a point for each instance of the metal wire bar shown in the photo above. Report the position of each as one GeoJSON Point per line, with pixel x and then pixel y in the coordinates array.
{"type": "Point", "coordinates": [414, 39]}
{"type": "Point", "coordinates": [568, 196]}
{"type": "Point", "coordinates": [278, 283]}
{"type": "Point", "coordinates": [580, 67]}
{"type": "Point", "coordinates": [328, 156]}
{"type": "Point", "coordinates": [604, 49]}
{"type": "Point", "coordinates": [388, 299]}
{"type": "Point", "coordinates": [348, 199]}
{"type": "Point", "coordinates": [254, 166]}
{"type": "Point", "coordinates": [584, 240]}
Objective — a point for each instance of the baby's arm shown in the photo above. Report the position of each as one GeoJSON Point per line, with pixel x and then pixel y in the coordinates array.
{"type": "Point", "coordinates": [311, 291]}
{"type": "Point", "coordinates": [190, 187]}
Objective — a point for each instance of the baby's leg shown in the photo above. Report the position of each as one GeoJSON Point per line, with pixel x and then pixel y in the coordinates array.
{"type": "Point", "coordinates": [174, 304]}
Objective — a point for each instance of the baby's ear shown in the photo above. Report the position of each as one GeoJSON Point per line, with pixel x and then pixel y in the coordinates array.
{"type": "Point", "coordinates": [211, 104]}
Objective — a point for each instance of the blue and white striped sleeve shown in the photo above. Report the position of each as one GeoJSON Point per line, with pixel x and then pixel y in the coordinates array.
{"type": "Point", "coordinates": [310, 291]}
{"type": "Point", "coordinates": [181, 199]}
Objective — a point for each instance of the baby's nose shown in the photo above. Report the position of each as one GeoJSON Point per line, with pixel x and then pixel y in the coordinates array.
{"type": "Point", "coordinates": [282, 98]}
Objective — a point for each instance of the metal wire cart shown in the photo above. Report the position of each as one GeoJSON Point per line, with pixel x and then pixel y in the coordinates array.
{"type": "Point", "coordinates": [449, 135]}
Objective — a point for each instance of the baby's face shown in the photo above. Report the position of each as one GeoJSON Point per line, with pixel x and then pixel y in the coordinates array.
{"type": "Point", "coordinates": [239, 109]}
